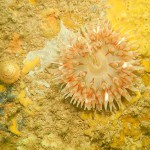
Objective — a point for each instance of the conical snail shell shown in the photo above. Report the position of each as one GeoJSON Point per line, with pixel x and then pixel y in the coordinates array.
{"type": "Point", "coordinates": [9, 72]}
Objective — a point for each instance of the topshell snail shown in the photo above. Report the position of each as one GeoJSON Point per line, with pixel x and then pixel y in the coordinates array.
{"type": "Point", "coordinates": [9, 72]}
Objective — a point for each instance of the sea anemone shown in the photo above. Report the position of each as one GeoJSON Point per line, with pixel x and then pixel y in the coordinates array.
{"type": "Point", "coordinates": [98, 69]}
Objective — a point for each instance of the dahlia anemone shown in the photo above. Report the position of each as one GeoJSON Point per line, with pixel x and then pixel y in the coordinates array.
{"type": "Point", "coordinates": [98, 69]}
